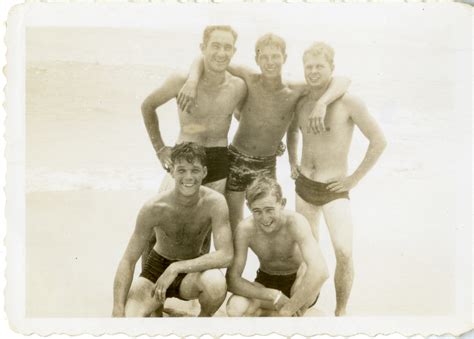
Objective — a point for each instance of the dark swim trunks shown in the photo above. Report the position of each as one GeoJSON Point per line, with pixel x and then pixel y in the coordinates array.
{"type": "Point", "coordinates": [316, 193]}
{"type": "Point", "coordinates": [217, 163]}
{"type": "Point", "coordinates": [155, 266]}
{"type": "Point", "coordinates": [245, 168]}
{"type": "Point", "coordinates": [282, 283]}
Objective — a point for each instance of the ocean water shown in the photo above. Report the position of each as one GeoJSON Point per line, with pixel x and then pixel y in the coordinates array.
{"type": "Point", "coordinates": [88, 155]}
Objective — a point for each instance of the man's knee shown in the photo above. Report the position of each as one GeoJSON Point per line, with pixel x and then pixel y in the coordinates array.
{"type": "Point", "coordinates": [237, 306]}
{"type": "Point", "coordinates": [213, 283]}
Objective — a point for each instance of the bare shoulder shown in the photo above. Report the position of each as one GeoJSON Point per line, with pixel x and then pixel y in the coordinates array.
{"type": "Point", "coordinates": [297, 223]}
{"type": "Point", "coordinates": [235, 81]}
{"type": "Point", "coordinates": [178, 77]}
{"type": "Point", "coordinates": [352, 102]}
{"type": "Point", "coordinates": [157, 203]}
{"type": "Point", "coordinates": [212, 199]}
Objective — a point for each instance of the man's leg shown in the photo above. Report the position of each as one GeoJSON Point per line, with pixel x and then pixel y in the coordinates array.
{"type": "Point", "coordinates": [311, 213]}
{"type": "Point", "coordinates": [338, 217]}
{"type": "Point", "coordinates": [235, 201]}
{"type": "Point", "coordinates": [208, 286]}
{"type": "Point", "coordinates": [140, 303]}
{"type": "Point", "coordinates": [238, 306]}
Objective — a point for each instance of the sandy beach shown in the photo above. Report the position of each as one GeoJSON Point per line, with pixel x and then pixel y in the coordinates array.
{"type": "Point", "coordinates": [90, 167]}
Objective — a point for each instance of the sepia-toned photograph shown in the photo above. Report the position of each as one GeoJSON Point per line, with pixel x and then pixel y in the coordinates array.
{"type": "Point", "coordinates": [240, 160]}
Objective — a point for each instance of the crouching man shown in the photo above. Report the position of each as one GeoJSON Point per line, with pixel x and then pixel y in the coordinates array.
{"type": "Point", "coordinates": [292, 268]}
{"type": "Point", "coordinates": [180, 218]}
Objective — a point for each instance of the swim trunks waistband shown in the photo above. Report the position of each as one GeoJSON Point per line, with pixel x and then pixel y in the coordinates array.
{"type": "Point", "coordinates": [315, 192]}
{"type": "Point", "coordinates": [249, 157]}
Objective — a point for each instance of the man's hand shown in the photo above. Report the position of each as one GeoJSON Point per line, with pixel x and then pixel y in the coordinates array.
{"type": "Point", "coordinates": [187, 96]}
{"type": "Point", "coordinates": [316, 118]}
{"type": "Point", "coordinates": [164, 154]}
{"type": "Point", "coordinates": [281, 149]}
{"type": "Point", "coordinates": [118, 312]}
{"type": "Point", "coordinates": [281, 300]}
{"type": "Point", "coordinates": [162, 284]}
{"type": "Point", "coordinates": [295, 171]}
{"type": "Point", "coordinates": [343, 184]}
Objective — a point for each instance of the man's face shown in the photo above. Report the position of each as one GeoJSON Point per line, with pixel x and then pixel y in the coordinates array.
{"type": "Point", "coordinates": [188, 177]}
{"type": "Point", "coordinates": [219, 50]}
{"type": "Point", "coordinates": [270, 59]}
{"type": "Point", "coordinates": [266, 213]}
{"type": "Point", "coordinates": [317, 70]}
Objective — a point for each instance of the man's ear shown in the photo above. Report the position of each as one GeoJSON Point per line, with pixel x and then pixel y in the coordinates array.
{"type": "Point", "coordinates": [202, 47]}
{"type": "Point", "coordinates": [284, 58]}
{"type": "Point", "coordinates": [283, 202]}
{"type": "Point", "coordinates": [204, 169]}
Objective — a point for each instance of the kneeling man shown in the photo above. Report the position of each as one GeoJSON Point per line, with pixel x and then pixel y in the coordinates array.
{"type": "Point", "coordinates": [292, 268]}
{"type": "Point", "coordinates": [180, 218]}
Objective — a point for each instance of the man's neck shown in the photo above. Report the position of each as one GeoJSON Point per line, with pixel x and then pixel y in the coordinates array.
{"type": "Point", "coordinates": [183, 200]}
{"type": "Point", "coordinates": [273, 83]}
{"type": "Point", "coordinates": [316, 92]}
{"type": "Point", "coordinates": [212, 78]}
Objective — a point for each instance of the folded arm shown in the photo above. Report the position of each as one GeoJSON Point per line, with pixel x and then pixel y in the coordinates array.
{"type": "Point", "coordinates": [316, 270]}
{"type": "Point", "coordinates": [166, 92]}
{"type": "Point", "coordinates": [136, 245]}
{"type": "Point", "coordinates": [372, 131]}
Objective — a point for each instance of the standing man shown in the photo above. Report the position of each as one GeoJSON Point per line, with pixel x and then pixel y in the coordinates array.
{"type": "Point", "coordinates": [180, 218]}
{"type": "Point", "coordinates": [322, 180]}
{"type": "Point", "coordinates": [264, 119]}
{"type": "Point", "coordinates": [292, 268]}
{"type": "Point", "coordinates": [208, 121]}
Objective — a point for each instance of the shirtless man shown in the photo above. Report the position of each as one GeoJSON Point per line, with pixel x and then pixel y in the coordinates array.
{"type": "Point", "coordinates": [208, 123]}
{"type": "Point", "coordinates": [180, 218]}
{"type": "Point", "coordinates": [322, 180]}
{"type": "Point", "coordinates": [264, 119]}
{"type": "Point", "coordinates": [292, 267]}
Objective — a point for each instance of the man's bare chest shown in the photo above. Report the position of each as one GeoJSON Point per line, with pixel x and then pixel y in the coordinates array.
{"type": "Point", "coordinates": [177, 224]}
{"type": "Point", "coordinates": [277, 249]}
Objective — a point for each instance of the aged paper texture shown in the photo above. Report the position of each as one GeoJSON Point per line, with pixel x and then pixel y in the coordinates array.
{"type": "Point", "coordinates": [80, 164]}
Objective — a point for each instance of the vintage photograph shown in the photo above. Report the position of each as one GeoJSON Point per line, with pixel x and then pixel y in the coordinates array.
{"type": "Point", "coordinates": [245, 160]}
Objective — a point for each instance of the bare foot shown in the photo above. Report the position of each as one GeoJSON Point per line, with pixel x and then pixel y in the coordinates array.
{"type": "Point", "coordinates": [340, 313]}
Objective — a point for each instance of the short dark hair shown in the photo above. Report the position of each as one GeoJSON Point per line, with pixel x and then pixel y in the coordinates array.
{"type": "Point", "coordinates": [261, 187]}
{"type": "Point", "coordinates": [189, 151]}
{"type": "Point", "coordinates": [209, 29]}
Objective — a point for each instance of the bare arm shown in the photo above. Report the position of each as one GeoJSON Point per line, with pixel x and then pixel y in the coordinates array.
{"type": "Point", "coordinates": [240, 71]}
{"type": "Point", "coordinates": [292, 139]}
{"type": "Point", "coordinates": [135, 247]}
{"type": "Point", "coordinates": [316, 270]}
{"type": "Point", "coordinates": [237, 284]}
{"type": "Point", "coordinates": [377, 143]}
{"type": "Point", "coordinates": [242, 94]}
{"type": "Point", "coordinates": [166, 92]}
